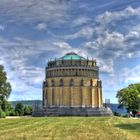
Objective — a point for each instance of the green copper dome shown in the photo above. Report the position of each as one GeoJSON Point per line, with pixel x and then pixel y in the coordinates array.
{"type": "Point", "coordinates": [71, 56]}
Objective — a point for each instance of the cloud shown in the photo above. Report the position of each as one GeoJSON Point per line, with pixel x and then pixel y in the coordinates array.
{"type": "Point", "coordinates": [114, 45]}
{"type": "Point", "coordinates": [29, 11]}
{"type": "Point", "coordinates": [41, 26]}
{"type": "Point", "coordinates": [111, 17]}
{"type": "Point", "coordinates": [131, 75]}
{"type": "Point", "coordinates": [82, 20]}
{"type": "Point", "coordinates": [134, 33]}
{"type": "Point", "coordinates": [85, 32]}
{"type": "Point", "coordinates": [2, 27]}
{"type": "Point", "coordinates": [62, 45]}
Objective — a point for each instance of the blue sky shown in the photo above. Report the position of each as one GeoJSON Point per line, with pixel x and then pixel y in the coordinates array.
{"type": "Point", "coordinates": [33, 31]}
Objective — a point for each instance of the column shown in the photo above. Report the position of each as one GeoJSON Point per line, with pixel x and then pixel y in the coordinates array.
{"type": "Point", "coordinates": [45, 97]}
{"type": "Point", "coordinates": [61, 97]}
{"type": "Point", "coordinates": [100, 93]}
{"type": "Point", "coordinates": [83, 98]}
{"type": "Point", "coordinates": [101, 96]}
{"type": "Point", "coordinates": [97, 97]}
{"type": "Point", "coordinates": [50, 96]}
{"type": "Point", "coordinates": [93, 96]}
{"type": "Point", "coordinates": [71, 95]}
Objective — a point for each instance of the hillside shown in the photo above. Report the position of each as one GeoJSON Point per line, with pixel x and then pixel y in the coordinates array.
{"type": "Point", "coordinates": [27, 102]}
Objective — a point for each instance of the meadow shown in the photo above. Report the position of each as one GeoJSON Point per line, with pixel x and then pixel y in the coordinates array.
{"type": "Point", "coordinates": [70, 128]}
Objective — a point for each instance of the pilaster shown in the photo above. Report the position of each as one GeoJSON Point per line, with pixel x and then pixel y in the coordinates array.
{"type": "Point", "coordinates": [71, 94]}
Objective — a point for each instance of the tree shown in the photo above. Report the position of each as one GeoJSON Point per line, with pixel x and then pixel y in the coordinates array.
{"type": "Point", "coordinates": [2, 114]}
{"type": "Point", "coordinates": [130, 98]}
{"type": "Point", "coordinates": [27, 110]}
{"type": "Point", "coordinates": [5, 88]}
{"type": "Point", "coordinates": [19, 109]}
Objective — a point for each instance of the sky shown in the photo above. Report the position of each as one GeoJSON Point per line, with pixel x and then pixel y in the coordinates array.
{"type": "Point", "coordinates": [33, 31]}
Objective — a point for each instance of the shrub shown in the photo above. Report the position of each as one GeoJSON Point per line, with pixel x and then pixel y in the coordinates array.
{"type": "Point", "coordinates": [19, 109]}
{"type": "Point", "coordinates": [116, 114]}
{"type": "Point", "coordinates": [2, 114]}
{"type": "Point", "coordinates": [27, 110]}
{"type": "Point", "coordinates": [12, 113]}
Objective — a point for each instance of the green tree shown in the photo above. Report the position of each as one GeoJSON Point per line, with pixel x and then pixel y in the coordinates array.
{"type": "Point", "coordinates": [5, 88]}
{"type": "Point", "coordinates": [7, 107]}
{"type": "Point", "coordinates": [2, 114]}
{"type": "Point", "coordinates": [27, 110]}
{"type": "Point", "coordinates": [19, 109]}
{"type": "Point", "coordinates": [130, 98]}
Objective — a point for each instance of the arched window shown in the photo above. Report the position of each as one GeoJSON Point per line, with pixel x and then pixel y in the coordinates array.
{"type": "Point", "coordinates": [61, 82]}
{"type": "Point", "coordinates": [82, 82]}
{"type": "Point", "coordinates": [91, 82]}
{"type": "Point", "coordinates": [71, 82]}
{"type": "Point", "coordinates": [52, 83]}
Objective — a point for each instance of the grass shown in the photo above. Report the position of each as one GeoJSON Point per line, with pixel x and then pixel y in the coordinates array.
{"type": "Point", "coordinates": [70, 128]}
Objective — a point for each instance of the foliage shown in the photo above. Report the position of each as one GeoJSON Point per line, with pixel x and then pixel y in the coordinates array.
{"type": "Point", "coordinates": [116, 114]}
{"type": "Point", "coordinates": [12, 112]}
{"type": "Point", "coordinates": [27, 110]}
{"type": "Point", "coordinates": [19, 109]}
{"type": "Point", "coordinates": [130, 98]}
{"type": "Point", "coordinates": [2, 114]}
{"type": "Point", "coordinates": [5, 88]}
{"type": "Point", "coordinates": [6, 106]}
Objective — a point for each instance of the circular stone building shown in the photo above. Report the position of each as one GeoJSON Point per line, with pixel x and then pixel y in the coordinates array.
{"type": "Point", "coordinates": [72, 87]}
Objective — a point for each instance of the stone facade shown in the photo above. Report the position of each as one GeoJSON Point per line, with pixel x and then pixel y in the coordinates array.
{"type": "Point", "coordinates": [72, 83]}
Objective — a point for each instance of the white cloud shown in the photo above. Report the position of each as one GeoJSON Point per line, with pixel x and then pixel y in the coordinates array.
{"type": "Point", "coordinates": [105, 65]}
{"type": "Point", "coordinates": [32, 11]}
{"type": "Point", "coordinates": [134, 33]}
{"type": "Point", "coordinates": [2, 27]}
{"type": "Point", "coordinates": [41, 26]}
{"type": "Point", "coordinates": [80, 21]}
{"type": "Point", "coordinates": [110, 17]}
{"type": "Point", "coordinates": [131, 75]}
{"type": "Point", "coordinates": [114, 45]}
{"type": "Point", "coordinates": [85, 32]}
{"type": "Point", "coordinates": [62, 45]}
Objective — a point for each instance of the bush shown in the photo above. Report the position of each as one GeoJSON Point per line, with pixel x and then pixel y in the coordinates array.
{"type": "Point", "coordinates": [12, 113]}
{"type": "Point", "coordinates": [19, 109]}
{"type": "Point", "coordinates": [116, 114]}
{"type": "Point", "coordinates": [27, 110]}
{"type": "Point", "coordinates": [2, 114]}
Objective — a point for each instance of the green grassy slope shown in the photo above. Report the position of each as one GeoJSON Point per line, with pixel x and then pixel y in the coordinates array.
{"type": "Point", "coordinates": [70, 128]}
